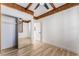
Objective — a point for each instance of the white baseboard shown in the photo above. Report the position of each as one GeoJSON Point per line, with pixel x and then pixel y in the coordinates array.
{"type": "Point", "coordinates": [77, 52]}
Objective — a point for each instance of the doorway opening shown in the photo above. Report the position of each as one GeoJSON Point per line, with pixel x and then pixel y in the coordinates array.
{"type": "Point", "coordinates": [24, 38]}
{"type": "Point", "coordinates": [37, 31]}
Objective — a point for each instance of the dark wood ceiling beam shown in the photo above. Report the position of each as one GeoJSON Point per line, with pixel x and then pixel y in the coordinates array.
{"type": "Point", "coordinates": [61, 8]}
{"type": "Point", "coordinates": [15, 6]}
{"type": "Point", "coordinates": [26, 21]}
{"type": "Point", "coordinates": [52, 5]}
{"type": "Point", "coordinates": [29, 5]}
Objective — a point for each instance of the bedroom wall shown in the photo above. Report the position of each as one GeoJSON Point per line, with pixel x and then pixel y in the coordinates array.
{"type": "Point", "coordinates": [15, 13]}
{"type": "Point", "coordinates": [25, 33]}
{"type": "Point", "coordinates": [62, 29]}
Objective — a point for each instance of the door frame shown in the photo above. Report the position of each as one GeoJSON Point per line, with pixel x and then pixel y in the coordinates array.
{"type": "Point", "coordinates": [40, 30]}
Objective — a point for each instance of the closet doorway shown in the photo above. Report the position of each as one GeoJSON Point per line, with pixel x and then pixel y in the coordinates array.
{"type": "Point", "coordinates": [8, 32]}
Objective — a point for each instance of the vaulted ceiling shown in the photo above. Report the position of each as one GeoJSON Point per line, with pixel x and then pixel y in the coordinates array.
{"type": "Point", "coordinates": [40, 10]}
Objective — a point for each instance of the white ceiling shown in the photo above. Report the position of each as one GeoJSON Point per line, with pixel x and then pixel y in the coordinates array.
{"type": "Point", "coordinates": [41, 9]}
{"type": "Point", "coordinates": [58, 4]}
{"type": "Point", "coordinates": [23, 4]}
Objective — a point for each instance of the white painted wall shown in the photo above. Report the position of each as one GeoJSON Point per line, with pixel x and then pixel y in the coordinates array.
{"type": "Point", "coordinates": [62, 29]}
{"type": "Point", "coordinates": [25, 32]}
{"type": "Point", "coordinates": [15, 13]}
{"type": "Point", "coordinates": [30, 30]}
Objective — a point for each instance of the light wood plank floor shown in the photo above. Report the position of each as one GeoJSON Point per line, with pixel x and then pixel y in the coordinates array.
{"type": "Point", "coordinates": [22, 42]}
{"type": "Point", "coordinates": [37, 49]}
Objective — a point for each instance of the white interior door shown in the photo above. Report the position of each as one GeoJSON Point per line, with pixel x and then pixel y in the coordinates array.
{"type": "Point", "coordinates": [8, 32]}
{"type": "Point", "coordinates": [37, 31]}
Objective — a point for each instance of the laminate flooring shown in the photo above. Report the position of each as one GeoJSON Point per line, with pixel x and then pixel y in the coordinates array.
{"type": "Point", "coordinates": [37, 49]}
